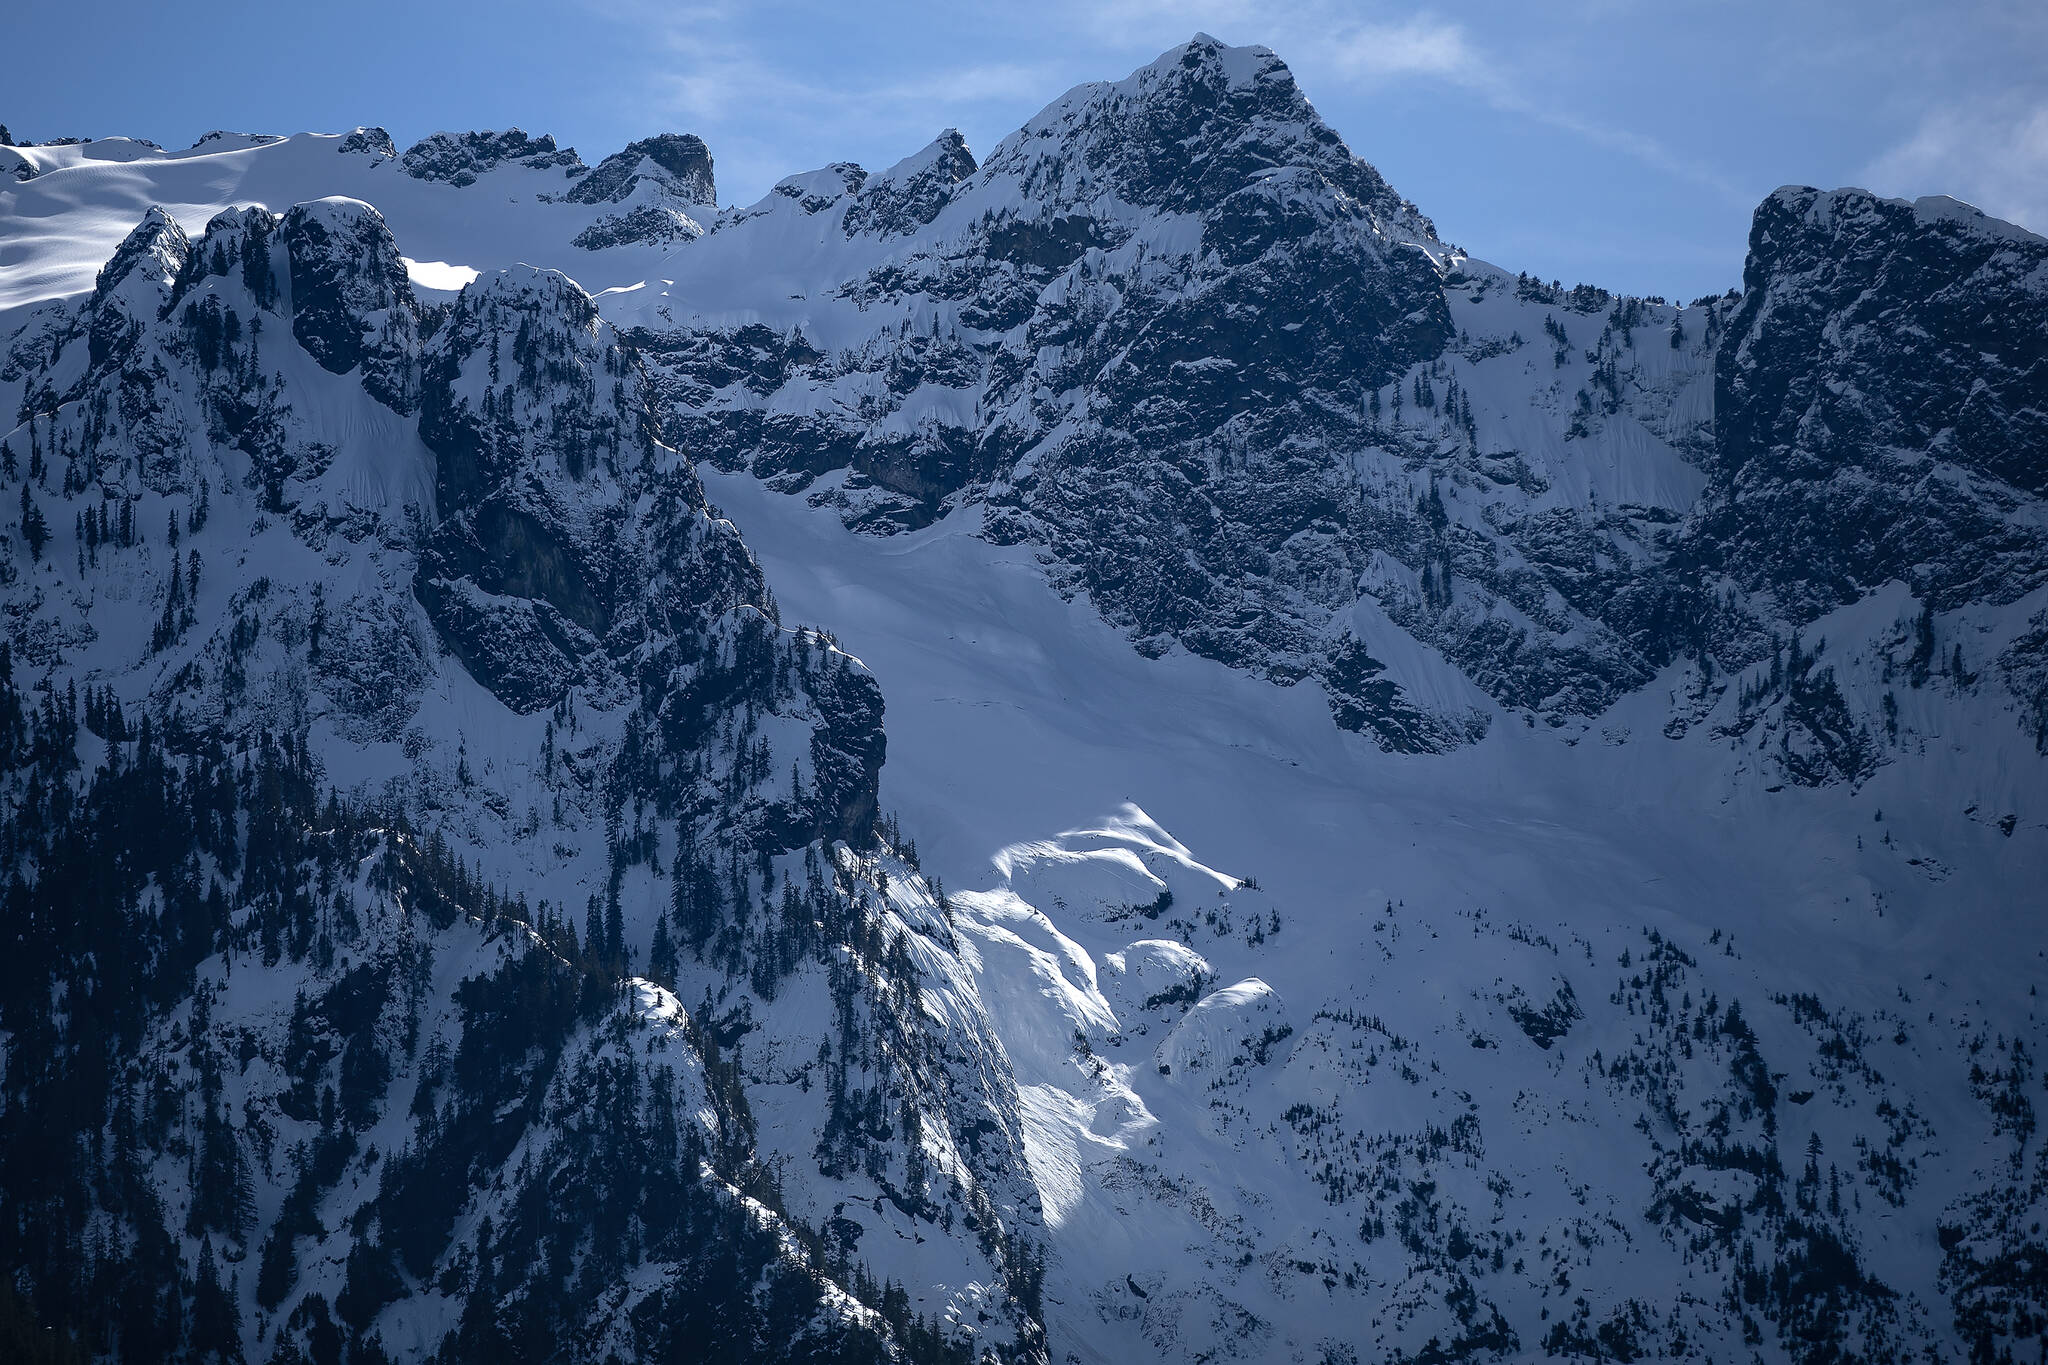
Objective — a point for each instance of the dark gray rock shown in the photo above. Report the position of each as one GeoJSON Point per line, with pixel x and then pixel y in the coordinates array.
{"type": "Point", "coordinates": [646, 225]}
{"type": "Point", "coordinates": [224, 134]}
{"type": "Point", "coordinates": [352, 302]}
{"type": "Point", "coordinates": [679, 163]}
{"type": "Point", "coordinates": [1881, 403]}
{"type": "Point", "coordinates": [459, 158]}
{"type": "Point", "coordinates": [1104, 390]}
{"type": "Point", "coordinates": [150, 256]}
{"type": "Point", "coordinates": [374, 142]}
{"type": "Point", "coordinates": [910, 194]}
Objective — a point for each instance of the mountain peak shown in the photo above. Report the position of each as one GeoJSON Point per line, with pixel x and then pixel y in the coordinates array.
{"type": "Point", "coordinates": [946, 155]}
{"type": "Point", "coordinates": [679, 163]}
{"type": "Point", "coordinates": [1240, 66]}
{"type": "Point", "coordinates": [352, 304]}
{"type": "Point", "coordinates": [1822, 492]}
{"type": "Point", "coordinates": [913, 191]}
{"type": "Point", "coordinates": [1190, 128]}
{"type": "Point", "coordinates": [815, 191]}
{"type": "Point", "coordinates": [336, 211]}
{"type": "Point", "coordinates": [1822, 208]}
{"type": "Point", "coordinates": [156, 247]}
{"type": "Point", "coordinates": [224, 139]}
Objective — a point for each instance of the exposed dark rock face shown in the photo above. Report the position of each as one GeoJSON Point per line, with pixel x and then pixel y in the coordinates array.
{"type": "Point", "coordinates": [131, 284]}
{"type": "Point", "coordinates": [816, 191]}
{"type": "Point", "coordinates": [223, 135]}
{"type": "Point", "coordinates": [1174, 332]}
{"type": "Point", "coordinates": [1881, 401]}
{"type": "Point", "coordinates": [572, 548]}
{"type": "Point", "coordinates": [647, 225]}
{"type": "Point", "coordinates": [2023, 667]}
{"type": "Point", "coordinates": [373, 142]}
{"type": "Point", "coordinates": [459, 158]}
{"type": "Point", "coordinates": [352, 304]}
{"type": "Point", "coordinates": [1193, 128]}
{"type": "Point", "coordinates": [1085, 380]}
{"type": "Point", "coordinates": [663, 179]}
{"type": "Point", "coordinates": [905, 197]}
{"type": "Point", "coordinates": [679, 163]}
{"type": "Point", "coordinates": [518, 576]}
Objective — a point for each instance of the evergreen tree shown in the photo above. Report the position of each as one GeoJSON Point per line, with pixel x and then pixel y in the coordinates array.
{"type": "Point", "coordinates": [661, 957]}
{"type": "Point", "coordinates": [216, 1321]}
{"type": "Point", "coordinates": [35, 532]}
{"type": "Point", "coordinates": [614, 931]}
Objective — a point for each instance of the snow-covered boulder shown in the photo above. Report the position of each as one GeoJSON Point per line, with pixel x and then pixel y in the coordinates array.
{"type": "Point", "coordinates": [1237, 1027]}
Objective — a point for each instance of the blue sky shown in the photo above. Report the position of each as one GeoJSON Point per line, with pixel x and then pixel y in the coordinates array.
{"type": "Point", "coordinates": [1623, 142]}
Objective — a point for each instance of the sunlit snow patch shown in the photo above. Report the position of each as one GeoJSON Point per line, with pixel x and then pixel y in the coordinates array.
{"type": "Point", "coordinates": [438, 274]}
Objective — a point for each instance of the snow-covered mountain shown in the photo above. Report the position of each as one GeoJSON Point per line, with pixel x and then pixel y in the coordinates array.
{"type": "Point", "coordinates": [1483, 820]}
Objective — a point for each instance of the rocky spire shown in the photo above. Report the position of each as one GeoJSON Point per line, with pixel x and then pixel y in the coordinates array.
{"type": "Point", "coordinates": [352, 303]}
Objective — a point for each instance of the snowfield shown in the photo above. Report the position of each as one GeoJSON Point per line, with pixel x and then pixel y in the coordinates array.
{"type": "Point", "coordinates": [1042, 759]}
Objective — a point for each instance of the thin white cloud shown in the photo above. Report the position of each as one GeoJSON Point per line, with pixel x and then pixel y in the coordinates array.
{"type": "Point", "coordinates": [1418, 46]}
{"type": "Point", "coordinates": [1993, 154]}
{"type": "Point", "coordinates": [997, 81]}
{"type": "Point", "coordinates": [1640, 146]}
{"type": "Point", "coordinates": [717, 69]}
{"type": "Point", "coordinates": [1123, 24]}
{"type": "Point", "coordinates": [1426, 47]}
{"type": "Point", "coordinates": [714, 66]}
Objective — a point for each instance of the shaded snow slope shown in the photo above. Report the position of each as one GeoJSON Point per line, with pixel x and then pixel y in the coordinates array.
{"type": "Point", "coordinates": [1429, 1019]}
